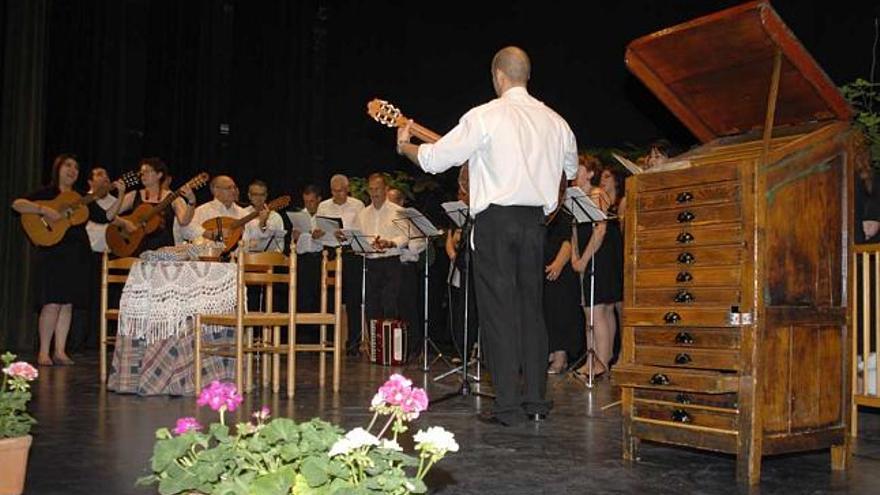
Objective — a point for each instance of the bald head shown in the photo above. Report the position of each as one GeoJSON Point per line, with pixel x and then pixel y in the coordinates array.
{"type": "Point", "coordinates": [514, 63]}
{"type": "Point", "coordinates": [224, 190]}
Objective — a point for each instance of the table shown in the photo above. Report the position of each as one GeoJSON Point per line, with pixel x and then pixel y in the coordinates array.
{"type": "Point", "coordinates": [154, 345]}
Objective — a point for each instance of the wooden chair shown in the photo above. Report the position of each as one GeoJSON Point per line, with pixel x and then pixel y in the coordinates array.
{"type": "Point", "coordinates": [331, 279]}
{"type": "Point", "coordinates": [253, 269]}
{"type": "Point", "coordinates": [112, 272]}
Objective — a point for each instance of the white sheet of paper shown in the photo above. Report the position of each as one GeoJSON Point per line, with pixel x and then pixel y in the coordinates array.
{"type": "Point", "coordinates": [361, 243]}
{"type": "Point", "coordinates": [300, 220]}
{"type": "Point", "coordinates": [457, 211]}
{"type": "Point", "coordinates": [416, 225]}
{"type": "Point", "coordinates": [628, 164]}
{"type": "Point", "coordinates": [329, 225]}
{"type": "Point", "coordinates": [582, 207]}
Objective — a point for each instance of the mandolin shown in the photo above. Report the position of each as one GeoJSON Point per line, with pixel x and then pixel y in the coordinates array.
{"type": "Point", "coordinates": [387, 114]}
{"type": "Point", "coordinates": [147, 218]}
{"type": "Point", "coordinates": [228, 230]}
{"type": "Point", "coordinates": [73, 208]}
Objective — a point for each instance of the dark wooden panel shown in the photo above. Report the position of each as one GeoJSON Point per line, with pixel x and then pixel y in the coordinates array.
{"type": "Point", "coordinates": [724, 192]}
{"type": "Point", "coordinates": [723, 172]}
{"type": "Point", "coordinates": [657, 378]}
{"type": "Point", "coordinates": [775, 352]}
{"type": "Point", "coordinates": [675, 316]}
{"type": "Point", "coordinates": [687, 256]}
{"type": "Point", "coordinates": [699, 215]}
{"type": "Point", "coordinates": [831, 387]}
{"type": "Point", "coordinates": [706, 359]}
{"type": "Point", "coordinates": [682, 414]}
{"type": "Point", "coordinates": [726, 401]}
{"type": "Point", "coordinates": [688, 277]}
{"type": "Point", "coordinates": [692, 235]}
{"type": "Point", "coordinates": [806, 370]}
{"type": "Point", "coordinates": [685, 338]}
{"type": "Point", "coordinates": [801, 441]}
{"type": "Point", "coordinates": [690, 296]}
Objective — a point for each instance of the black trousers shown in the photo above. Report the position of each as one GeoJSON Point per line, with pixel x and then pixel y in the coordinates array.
{"type": "Point", "coordinates": [508, 281]}
{"type": "Point", "coordinates": [351, 296]}
{"type": "Point", "coordinates": [383, 288]}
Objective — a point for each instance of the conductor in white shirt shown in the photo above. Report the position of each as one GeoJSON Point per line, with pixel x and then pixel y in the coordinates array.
{"type": "Point", "coordinates": [518, 149]}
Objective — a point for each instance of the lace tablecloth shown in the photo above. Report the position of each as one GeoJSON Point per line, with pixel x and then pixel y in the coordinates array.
{"type": "Point", "coordinates": [154, 346]}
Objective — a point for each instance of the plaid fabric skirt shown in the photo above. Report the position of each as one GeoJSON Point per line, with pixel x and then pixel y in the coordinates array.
{"type": "Point", "coordinates": [165, 367]}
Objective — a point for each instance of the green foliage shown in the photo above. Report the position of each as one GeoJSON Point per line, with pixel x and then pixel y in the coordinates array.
{"type": "Point", "coordinates": [276, 458]}
{"type": "Point", "coordinates": [408, 184]}
{"type": "Point", "coordinates": [14, 397]}
{"type": "Point", "coordinates": [864, 96]}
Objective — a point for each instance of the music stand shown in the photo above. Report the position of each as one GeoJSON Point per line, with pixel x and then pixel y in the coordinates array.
{"type": "Point", "coordinates": [584, 210]}
{"type": "Point", "coordinates": [417, 227]}
{"type": "Point", "coordinates": [458, 213]}
{"type": "Point", "coordinates": [361, 245]}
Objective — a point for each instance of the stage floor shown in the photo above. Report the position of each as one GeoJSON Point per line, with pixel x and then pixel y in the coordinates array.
{"type": "Point", "coordinates": [89, 441]}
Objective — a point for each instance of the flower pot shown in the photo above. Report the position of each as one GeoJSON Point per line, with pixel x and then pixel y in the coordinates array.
{"type": "Point", "coordinates": [13, 464]}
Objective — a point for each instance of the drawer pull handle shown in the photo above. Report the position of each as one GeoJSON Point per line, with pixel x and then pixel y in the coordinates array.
{"type": "Point", "coordinates": [659, 379]}
{"type": "Point", "coordinates": [683, 358]}
{"type": "Point", "coordinates": [684, 338]}
{"type": "Point", "coordinates": [681, 416]}
{"type": "Point", "coordinates": [684, 277]}
{"type": "Point", "coordinates": [682, 399]}
{"type": "Point", "coordinates": [671, 317]}
{"type": "Point", "coordinates": [685, 238]}
{"type": "Point", "coordinates": [684, 197]}
{"type": "Point", "coordinates": [684, 297]}
{"type": "Point", "coordinates": [686, 258]}
{"type": "Point", "coordinates": [686, 216]}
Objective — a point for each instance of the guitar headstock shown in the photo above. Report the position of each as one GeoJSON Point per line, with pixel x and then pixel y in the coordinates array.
{"type": "Point", "coordinates": [198, 181]}
{"type": "Point", "coordinates": [385, 113]}
{"type": "Point", "coordinates": [131, 179]}
{"type": "Point", "coordinates": [278, 203]}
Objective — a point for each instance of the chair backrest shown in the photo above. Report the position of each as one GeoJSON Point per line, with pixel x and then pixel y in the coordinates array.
{"type": "Point", "coordinates": [113, 271]}
{"type": "Point", "coordinates": [331, 276]}
{"type": "Point", "coordinates": [263, 269]}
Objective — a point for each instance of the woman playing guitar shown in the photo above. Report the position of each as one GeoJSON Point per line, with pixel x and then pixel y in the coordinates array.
{"type": "Point", "coordinates": [61, 268]}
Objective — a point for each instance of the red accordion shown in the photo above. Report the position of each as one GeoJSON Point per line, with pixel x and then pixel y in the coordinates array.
{"type": "Point", "coordinates": [388, 342]}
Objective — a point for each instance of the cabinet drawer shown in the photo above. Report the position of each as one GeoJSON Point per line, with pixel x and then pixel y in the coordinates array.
{"type": "Point", "coordinates": [686, 338]}
{"type": "Point", "coordinates": [688, 216]}
{"type": "Point", "coordinates": [695, 175]}
{"type": "Point", "coordinates": [687, 296]}
{"type": "Point", "coordinates": [686, 415]}
{"type": "Point", "coordinates": [673, 316]}
{"type": "Point", "coordinates": [688, 235]}
{"type": "Point", "coordinates": [723, 401]}
{"type": "Point", "coordinates": [690, 256]}
{"type": "Point", "coordinates": [657, 378]}
{"type": "Point", "coordinates": [706, 359]}
{"type": "Point", "coordinates": [687, 277]}
{"type": "Point", "coordinates": [724, 192]}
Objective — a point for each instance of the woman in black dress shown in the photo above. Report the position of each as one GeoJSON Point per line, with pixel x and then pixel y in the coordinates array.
{"type": "Point", "coordinates": [605, 241]}
{"type": "Point", "coordinates": [62, 270]}
{"type": "Point", "coordinates": [562, 312]}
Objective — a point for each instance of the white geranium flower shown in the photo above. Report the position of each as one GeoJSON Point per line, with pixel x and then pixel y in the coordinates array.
{"type": "Point", "coordinates": [360, 437]}
{"type": "Point", "coordinates": [390, 445]}
{"type": "Point", "coordinates": [436, 440]}
{"type": "Point", "coordinates": [342, 447]}
{"type": "Point", "coordinates": [378, 400]}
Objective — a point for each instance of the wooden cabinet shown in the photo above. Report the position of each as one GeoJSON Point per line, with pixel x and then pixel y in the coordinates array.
{"type": "Point", "coordinates": [735, 329]}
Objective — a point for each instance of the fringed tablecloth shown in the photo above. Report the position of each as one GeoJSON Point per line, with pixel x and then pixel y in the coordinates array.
{"type": "Point", "coordinates": [154, 346]}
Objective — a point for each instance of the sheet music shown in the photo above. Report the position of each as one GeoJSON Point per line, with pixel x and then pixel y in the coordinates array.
{"type": "Point", "coordinates": [415, 225]}
{"type": "Point", "coordinates": [582, 207]}
{"type": "Point", "coordinates": [300, 220]}
{"type": "Point", "coordinates": [329, 225]}
{"type": "Point", "coordinates": [457, 211]}
{"type": "Point", "coordinates": [361, 243]}
{"type": "Point", "coordinates": [628, 164]}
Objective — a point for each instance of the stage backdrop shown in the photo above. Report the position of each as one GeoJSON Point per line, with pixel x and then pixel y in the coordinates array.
{"type": "Point", "coordinates": [276, 89]}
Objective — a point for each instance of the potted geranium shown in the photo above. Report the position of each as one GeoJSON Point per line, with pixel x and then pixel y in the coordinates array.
{"type": "Point", "coordinates": [15, 423]}
{"type": "Point", "coordinates": [280, 457]}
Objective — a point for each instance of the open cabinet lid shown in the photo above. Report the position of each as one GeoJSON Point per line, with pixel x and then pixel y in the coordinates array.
{"type": "Point", "coordinates": [714, 72]}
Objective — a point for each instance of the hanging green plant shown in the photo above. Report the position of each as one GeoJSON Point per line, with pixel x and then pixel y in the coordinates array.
{"type": "Point", "coordinates": [864, 96]}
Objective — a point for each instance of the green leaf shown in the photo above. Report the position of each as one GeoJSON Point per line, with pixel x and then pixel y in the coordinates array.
{"type": "Point", "coordinates": [277, 483]}
{"type": "Point", "coordinates": [280, 430]}
{"type": "Point", "coordinates": [315, 471]}
{"type": "Point", "coordinates": [165, 452]}
{"type": "Point", "coordinates": [220, 432]}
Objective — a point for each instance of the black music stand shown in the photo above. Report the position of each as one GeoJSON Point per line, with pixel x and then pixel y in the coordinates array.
{"type": "Point", "coordinates": [361, 245]}
{"type": "Point", "coordinates": [584, 210]}
{"type": "Point", "coordinates": [417, 227]}
{"type": "Point", "coordinates": [461, 219]}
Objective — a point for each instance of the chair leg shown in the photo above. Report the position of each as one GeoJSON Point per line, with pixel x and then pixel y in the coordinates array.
{"type": "Point", "coordinates": [103, 350]}
{"type": "Point", "coordinates": [239, 358]}
{"type": "Point", "coordinates": [266, 341]}
{"type": "Point", "coordinates": [249, 370]}
{"type": "Point", "coordinates": [291, 361]}
{"type": "Point", "coordinates": [197, 361]}
{"type": "Point", "coordinates": [276, 359]}
{"type": "Point", "coordinates": [338, 343]}
{"type": "Point", "coordinates": [322, 364]}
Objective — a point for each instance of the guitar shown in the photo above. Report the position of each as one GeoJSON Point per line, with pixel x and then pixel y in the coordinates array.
{"type": "Point", "coordinates": [73, 208]}
{"type": "Point", "coordinates": [228, 230]}
{"type": "Point", "coordinates": [388, 115]}
{"type": "Point", "coordinates": [146, 217]}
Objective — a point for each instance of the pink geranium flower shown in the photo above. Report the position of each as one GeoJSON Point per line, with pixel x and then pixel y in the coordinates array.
{"type": "Point", "coordinates": [186, 424]}
{"type": "Point", "coordinates": [21, 369]}
{"type": "Point", "coordinates": [415, 402]}
{"type": "Point", "coordinates": [219, 395]}
{"type": "Point", "coordinates": [396, 389]}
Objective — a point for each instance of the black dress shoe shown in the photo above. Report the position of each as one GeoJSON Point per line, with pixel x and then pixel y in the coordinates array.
{"type": "Point", "coordinates": [491, 419]}
{"type": "Point", "coordinates": [536, 417]}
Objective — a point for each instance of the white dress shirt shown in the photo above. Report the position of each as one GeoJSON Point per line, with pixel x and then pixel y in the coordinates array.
{"type": "Point", "coordinates": [269, 239]}
{"type": "Point", "coordinates": [212, 209]}
{"type": "Point", "coordinates": [97, 231]}
{"type": "Point", "coordinates": [380, 222]}
{"type": "Point", "coordinates": [347, 211]}
{"type": "Point", "coordinates": [517, 149]}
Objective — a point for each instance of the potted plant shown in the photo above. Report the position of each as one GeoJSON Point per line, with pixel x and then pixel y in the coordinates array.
{"type": "Point", "coordinates": [15, 423]}
{"type": "Point", "coordinates": [280, 457]}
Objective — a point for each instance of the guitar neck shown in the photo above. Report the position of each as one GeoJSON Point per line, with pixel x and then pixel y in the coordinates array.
{"type": "Point", "coordinates": [423, 133]}
{"type": "Point", "coordinates": [245, 219]}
